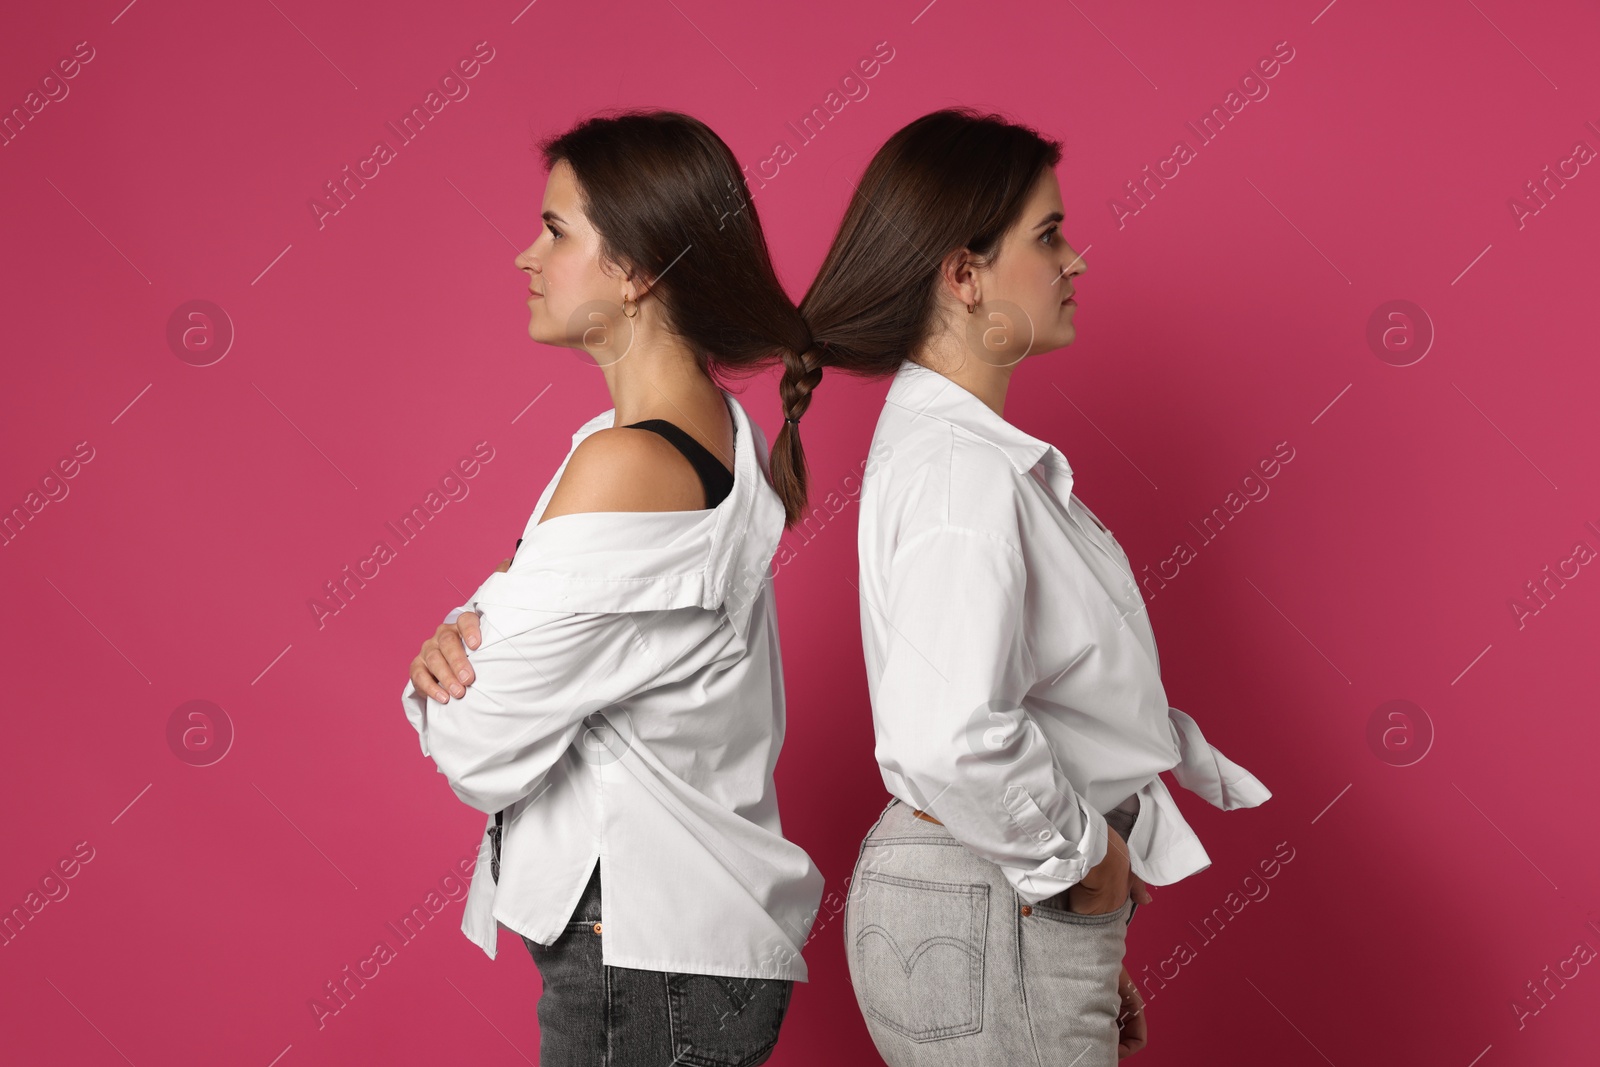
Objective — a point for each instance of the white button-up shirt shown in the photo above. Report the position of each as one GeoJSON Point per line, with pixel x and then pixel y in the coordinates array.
{"type": "Point", "coordinates": [1016, 690]}
{"type": "Point", "coordinates": [628, 708]}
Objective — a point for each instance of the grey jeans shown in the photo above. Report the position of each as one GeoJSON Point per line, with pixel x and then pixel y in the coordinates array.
{"type": "Point", "coordinates": [952, 967]}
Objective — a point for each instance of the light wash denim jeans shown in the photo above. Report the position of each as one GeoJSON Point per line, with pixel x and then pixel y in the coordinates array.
{"type": "Point", "coordinates": [952, 969]}
{"type": "Point", "coordinates": [592, 1015]}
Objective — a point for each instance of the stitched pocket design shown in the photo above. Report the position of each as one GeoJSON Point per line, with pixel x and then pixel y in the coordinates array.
{"type": "Point", "coordinates": [919, 949]}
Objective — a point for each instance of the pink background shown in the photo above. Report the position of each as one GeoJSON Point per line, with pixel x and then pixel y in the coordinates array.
{"type": "Point", "coordinates": [1227, 314]}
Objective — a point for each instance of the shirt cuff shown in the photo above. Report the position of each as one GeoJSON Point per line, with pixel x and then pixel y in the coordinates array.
{"type": "Point", "coordinates": [1072, 858]}
{"type": "Point", "coordinates": [1203, 770]}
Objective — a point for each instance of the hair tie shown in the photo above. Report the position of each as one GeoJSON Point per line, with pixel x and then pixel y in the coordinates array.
{"type": "Point", "coordinates": [795, 421]}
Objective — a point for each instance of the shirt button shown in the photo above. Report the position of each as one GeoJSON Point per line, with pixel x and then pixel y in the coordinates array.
{"type": "Point", "coordinates": [597, 928]}
{"type": "Point", "coordinates": [1044, 835]}
{"type": "Point", "coordinates": [1027, 910]}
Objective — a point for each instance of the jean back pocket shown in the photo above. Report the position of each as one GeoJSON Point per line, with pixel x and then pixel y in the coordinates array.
{"type": "Point", "coordinates": [919, 950]}
{"type": "Point", "coordinates": [720, 1021]}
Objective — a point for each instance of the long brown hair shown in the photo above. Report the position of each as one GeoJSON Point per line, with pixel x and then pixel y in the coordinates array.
{"type": "Point", "coordinates": [669, 200]}
{"type": "Point", "coordinates": [949, 180]}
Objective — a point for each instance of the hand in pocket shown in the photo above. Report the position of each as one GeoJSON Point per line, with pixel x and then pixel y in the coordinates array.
{"type": "Point", "coordinates": [1108, 883]}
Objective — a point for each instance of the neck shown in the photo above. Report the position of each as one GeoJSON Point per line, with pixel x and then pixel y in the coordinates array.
{"type": "Point", "coordinates": [658, 378]}
{"type": "Point", "coordinates": [947, 353]}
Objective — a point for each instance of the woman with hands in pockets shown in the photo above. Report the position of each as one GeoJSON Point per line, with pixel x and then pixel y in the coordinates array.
{"type": "Point", "coordinates": [612, 697]}
{"type": "Point", "coordinates": [1021, 724]}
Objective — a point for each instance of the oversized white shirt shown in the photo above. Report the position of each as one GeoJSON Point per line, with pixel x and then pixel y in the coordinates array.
{"type": "Point", "coordinates": [628, 708]}
{"type": "Point", "coordinates": [1016, 690]}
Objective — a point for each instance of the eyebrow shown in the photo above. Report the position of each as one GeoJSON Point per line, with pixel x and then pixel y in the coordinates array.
{"type": "Point", "coordinates": [1054, 216]}
{"type": "Point", "coordinates": [552, 215]}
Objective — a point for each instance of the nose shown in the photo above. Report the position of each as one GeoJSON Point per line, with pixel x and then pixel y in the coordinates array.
{"type": "Point", "coordinates": [1076, 264]}
{"type": "Point", "coordinates": [526, 260]}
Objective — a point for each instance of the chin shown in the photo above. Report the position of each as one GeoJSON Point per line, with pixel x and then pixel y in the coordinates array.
{"type": "Point", "coordinates": [1046, 345]}
{"type": "Point", "coordinates": [539, 330]}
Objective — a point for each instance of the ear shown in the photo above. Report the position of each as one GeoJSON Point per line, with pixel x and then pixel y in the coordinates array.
{"type": "Point", "coordinates": [958, 275]}
{"type": "Point", "coordinates": [635, 286]}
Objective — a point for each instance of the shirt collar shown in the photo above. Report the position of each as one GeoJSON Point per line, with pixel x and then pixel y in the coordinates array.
{"type": "Point", "coordinates": [928, 393]}
{"type": "Point", "coordinates": [653, 560]}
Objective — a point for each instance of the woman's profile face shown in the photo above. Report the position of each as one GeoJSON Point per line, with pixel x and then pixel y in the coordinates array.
{"type": "Point", "coordinates": [575, 297]}
{"type": "Point", "coordinates": [1026, 289]}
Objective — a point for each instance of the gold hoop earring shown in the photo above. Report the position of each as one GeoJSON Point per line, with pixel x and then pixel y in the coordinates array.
{"type": "Point", "coordinates": [630, 308]}
{"type": "Point", "coordinates": [971, 308]}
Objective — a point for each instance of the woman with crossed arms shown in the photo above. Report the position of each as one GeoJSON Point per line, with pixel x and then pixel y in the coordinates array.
{"type": "Point", "coordinates": [613, 697]}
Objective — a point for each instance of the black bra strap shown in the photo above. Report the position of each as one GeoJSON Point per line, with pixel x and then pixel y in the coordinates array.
{"type": "Point", "coordinates": [716, 479]}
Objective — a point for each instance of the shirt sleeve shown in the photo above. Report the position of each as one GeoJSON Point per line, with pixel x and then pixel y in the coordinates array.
{"type": "Point", "coordinates": [950, 719]}
{"type": "Point", "coordinates": [456, 613]}
{"type": "Point", "coordinates": [538, 676]}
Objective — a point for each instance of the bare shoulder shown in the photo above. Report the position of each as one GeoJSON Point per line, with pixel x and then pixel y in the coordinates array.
{"type": "Point", "coordinates": [623, 469]}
